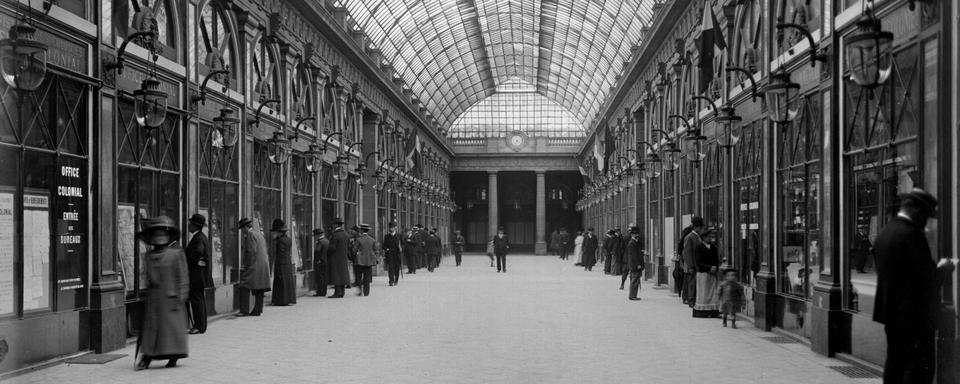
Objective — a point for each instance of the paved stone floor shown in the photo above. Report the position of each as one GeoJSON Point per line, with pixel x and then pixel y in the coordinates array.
{"type": "Point", "coordinates": [545, 321]}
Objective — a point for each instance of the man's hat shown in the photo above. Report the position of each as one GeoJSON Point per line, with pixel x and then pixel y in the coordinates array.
{"type": "Point", "coordinates": [365, 227]}
{"type": "Point", "coordinates": [393, 224]}
{"type": "Point", "coordinates": [433, 230]}
{"type": "Point", "coordinates": [728, 270]}
{"type": "Point", "coordinates": [278, 226]}
{"type": "Point", "coordinates": [923, 199]}
{"type": "Point", "coordinates": [634, 229]}
{"type": "Point", "coordinates": [612, 231]}
{"type": "Point", "coordinates": [500, 228]}
{"type": "Point", "coordinates": [244, 222]}
{"type": "Point", "coordinates": [590, 229]}
{"type": "Point", "coordinates": [457, 231]}
{"type": "Point", "coordinates": [338, 220]}
{"type": "Point", "coordinates": [697, 221]}
{"type": "Point", "coordinates": [317, 231]}
{"type": "Point", "coordinates": [198, 220]}
{"type": "Point", "coordinates": [159, 223]}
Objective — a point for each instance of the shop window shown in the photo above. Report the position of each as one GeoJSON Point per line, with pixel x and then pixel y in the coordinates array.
{"type": "Point", "coordinates": [328, 197]}
{"type": "Point", "coordinates": [350, 201]}
{"type": "Point", "coordinates": [301, 224]}
{"type": "Point", "coordinates": [219, 202]}
{"type": "Point", "coordinates": [746, 173]}
{"type": "Point", "coordinates": [216, 42]}
{"type": "Point", "coordinates": [798, 251]}
{"type": "Point", "coordinates": [267, 187]}
{"type": "Point", "coordinates": [881, 153]}
{"type": "Point", "coordinates": [163, 12]}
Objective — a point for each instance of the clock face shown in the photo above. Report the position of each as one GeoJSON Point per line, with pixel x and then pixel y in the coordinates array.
{"type": "Point", "coordinates": [516, 140]}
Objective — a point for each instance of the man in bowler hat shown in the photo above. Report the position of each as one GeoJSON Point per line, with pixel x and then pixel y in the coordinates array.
{"type": "Point", "coordinates": [198, 261]}
{"type": "Point", "coordinates": [255, 275]}
{"type": "Point", "coordinates": [391, 254]}
{"type": "Point", "coordinates": [320, 262]}
{"type": "Point", "coordinates": [908, 290]}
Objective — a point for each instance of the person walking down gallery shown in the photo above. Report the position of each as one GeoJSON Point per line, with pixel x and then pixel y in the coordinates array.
{"type": "Point", "coordinates": [410, 250]}
{"type": "Point", "coordinates": [391, 254]}
{"type": "Point", "coordinates": [433, 247]}
{"type": "Point", "coordinates": [908, 290]}
{"type": "Point", "coordinates": [618, 267]}
{"type": "Point", "coordinates": [367, 254]}
{"type": "Point", "coordinates": [578, 248]}
{"type": "Point", "coordinates": [163, 335]}
{"type": "Point", "coordinates": [320, 262]}
{"type": "Point", "coordinates": [732, 297]}
{"type": "Point", "coordinates": [255, 275]}
{"type": "Point", "coordinates": [589, 249]}
{"type": "Point", "coordinates": [634, 262]}
{"type": "Point", "coordinates": [284, 281]}
{"type": "Point", "coordinates": [688, 259]}
{"type": "Point", "coordinates": [501, 246]}
{"type": "Point", "coordinates": [338, 272]}
{"type": "Point", "coordinates": [563, 241]}
{"type": "Point", "coordinates": [198, 263]}
{"type": "Point", "coordinates": [708, 260]}
{"type": "Point", "coordinates": [458, 244]}
{"type": "Point", "coordinates": [555, 241]}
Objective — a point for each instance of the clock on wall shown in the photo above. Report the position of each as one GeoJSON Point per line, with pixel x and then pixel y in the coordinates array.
{"type": "Point", "coordinates": [517, 140]}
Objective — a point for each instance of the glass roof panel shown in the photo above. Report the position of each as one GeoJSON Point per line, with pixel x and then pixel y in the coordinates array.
{"type": "Point", "coordinates": [516, 106]}
{"type": "Point", "coordinates": [455, 54]}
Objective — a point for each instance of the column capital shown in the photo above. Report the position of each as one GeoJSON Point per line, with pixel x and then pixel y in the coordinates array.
{"type": "Point", "coordinates": [493, 172]}
{"type": "Point", "coordinates": [540, 172]}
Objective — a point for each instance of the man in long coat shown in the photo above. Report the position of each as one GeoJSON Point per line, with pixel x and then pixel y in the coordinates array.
{"type": "Point", "coordinates": [616, 267]}
{"type": "Point", "coordinates": [634, 262]}
{"type": "Point", "coordinates": [198, 261]}
{"type": "Point", "coordinates": [433, 247]}
{"type": "Point", "coordinates": [589, 247]}
{"type": "Point", "coordinates": [338, 272]}
{"type": "Point", "coordinates": [367, 255]}
{"type": "Point", "coordinates": [908, 291]}
{"type": "Point", "coordinates": [458, 243]}
{"type": "Point", "coordinates": [420, 241]}
{"type": "Point", "coordinates": [563, 242]}
{"type": "Point", "coordinates": [391, 254]}
{"type": "Point", "coordinates": [610, 246]}
{"type": "Point", "coordinates": [501, 246]}
{"type": "Point", "coordinates": [692, 246]}
{"type": "Point", "coordinates": [320, 262]}
{"type": "Point", "coordinates": [284, 279]}
{"type": "Point", "coordinates": [410, 250]}
{"type": "Point", "coordinates": [255, 276]}
{"type": "Point", "coordinates": [163, 335]}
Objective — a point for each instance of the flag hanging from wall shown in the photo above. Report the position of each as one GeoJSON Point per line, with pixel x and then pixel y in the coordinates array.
{"type": "Point", "coordinates": [597, 153]}
{"type": "Point", "coordinates": [412, 153]}
{"type": "Point", "coordinates": [609, 147]}
{"type": "Point", "coordinates": [710, 37]}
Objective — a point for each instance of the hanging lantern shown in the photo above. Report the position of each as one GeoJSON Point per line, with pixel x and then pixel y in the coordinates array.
{"type": "Point", "coordinates": [869, 51]}
{"type": "Point", "coordinates": [727, 119]}
{"type": "Point", "coordinates": [781, 96]}
{"type": "Point", "coordinates": [314, 159]}
{"type": "Point", "coordinates": [279, 148]}
{"type": "Point", "coordinates": [652, 168]}
{"type": "Point", "coordinates": [150, 103]}
{"type": "Point", "coordinates": [226, 126]}
{"type": "Point", "coordinates": [23, 59]}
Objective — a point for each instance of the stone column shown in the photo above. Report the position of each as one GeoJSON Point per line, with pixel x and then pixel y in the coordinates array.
{"type": "Point", "coordinates": [540, 248]}
{"type": "Point", "coordinates": [492, 206]}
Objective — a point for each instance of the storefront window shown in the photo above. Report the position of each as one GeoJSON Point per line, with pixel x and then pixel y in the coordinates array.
{"type": "Point", "coordinates": [350, 202]}
{"type": "Point", "coordinates": [669, 222]}
{"type": "Point", "coordinates": [712, 177]}
{"type": "Point", "coordinates": [43, 197]}
{"type": "Point", "coordinates": [148, 185]}
{"type": "Point", "coordinates": [881, 162]}
{"type": "Point", "coordinates": [219, 202]}
{"type": "Point", "coordinates": [328, 198]}
{"type": "Point", "coordinates": [799, 194]}
{"type": "Point", "coordinates": [267, 186]}
{"type": "Point", "coordinates": [746, 173]}
{"type": "Point", "coordinates": [301, 225]}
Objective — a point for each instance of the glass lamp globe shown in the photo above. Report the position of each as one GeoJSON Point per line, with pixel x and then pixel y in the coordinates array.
{"type": "Point", "coordinates": [226, 125]}
{"type": "Point", "coordinates": [727, 119]}
{"type": "Point", "coordinates": [869, 51]}
{"type": "Point", "coordinates": [314, 159]}
{"type": "Point", "coordinates": [23, 60]}
{"type": "Point", "coordinates": [279, 148]}
{"type": "Point", "coordinates": [150, 103]}
{"type": "Point", "coordinates": [781, 95]}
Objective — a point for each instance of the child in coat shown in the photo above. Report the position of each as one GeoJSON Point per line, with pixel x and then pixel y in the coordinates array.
{"type": "Point", "coordinates": [732, 296]}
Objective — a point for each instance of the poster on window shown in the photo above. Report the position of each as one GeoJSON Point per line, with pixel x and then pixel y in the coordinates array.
{"type": "Point", "coordinates": [70, 237]}
{"type": "Point", "coordinates": [295, 246]}
{"type": "Point", "coordinates": [6, 252]}
{"type": "Point", "coordinates": [216, 246]}
{"type": "Point", "coordinates": [36, 251]}
{"type": "Point", "coordinates": [126, 241]}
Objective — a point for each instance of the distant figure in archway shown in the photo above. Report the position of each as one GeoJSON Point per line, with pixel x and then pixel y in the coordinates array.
{"type": "Point", "coordinates": [563, 241]}
{"type": "Point", "coordinates": [458, 244]}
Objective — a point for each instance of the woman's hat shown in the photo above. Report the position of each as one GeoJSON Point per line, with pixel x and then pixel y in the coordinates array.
{"type": "Point", "coordinates": [338, 220]}
{"type": "Point", "coordinates": [923, 199]}
{"type": "Point", "coordinates": [278, 226]}
{"type": "Point", "coordinates": [317, 231]}
{"type": "Point", "coordinates": [697, 221]}
{"type": "Point", "coordinates": [710, 231]}
{"type": "Point", "coordinates": [159, 223]}
{"type": "Point", "coordinates": [244, 222]}
{"type": "Point", "coordinates": [198, 220]}
{"type": "Point", "coordinates": [365, 227]}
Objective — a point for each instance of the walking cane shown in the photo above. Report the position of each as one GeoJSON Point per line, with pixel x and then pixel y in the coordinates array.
{"type": "Point", "coordinates": [136, 350]}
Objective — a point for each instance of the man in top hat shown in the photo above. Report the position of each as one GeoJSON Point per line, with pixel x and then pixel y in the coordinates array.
{"type": "Point", "coordinates": [391, 254]}
{"type": "Point", "coordinates": [163, 332]}
{"type": "Point", "coordinates": [433, 248]}
{"type": "Point", "coordinates": [617, 266]}
{"type": "Point", "coordinates": [255, 275]}
{"type": "Point", "coordinates": [501, 246]}
{"type": "Point", "coordinates": [610, 246]}
{"type": "Point", "coordinates": [198, 261]}
{"type": "Point", "coordinates": [410, 250]}
{"type": "Point", "coordinates": [367, 254]}
{"type": "Point", "coordinates": [338, 272]}
{"type": "Point", "coordinates": [284, 280]}
{"type": "Point", "coordinates": [589, 250]}
{"type": "Point", "coordinates": [458, 243]}
{"type": "Point", "coordinates": [692, 247]}
{"type": "Point", "coordinates": [634, 262]}
{"type": "Point", "coordinates": [320, 262]}
{"type": "Point", "coordinates": [908, 290]}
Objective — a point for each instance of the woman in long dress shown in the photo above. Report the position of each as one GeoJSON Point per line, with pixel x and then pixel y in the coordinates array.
{"type": "Point", "coordinates": [708, 261]}
{"type": "Point", "coordinates": [578, 248]}
{"type": "Point", "coordinates": [163, 335]}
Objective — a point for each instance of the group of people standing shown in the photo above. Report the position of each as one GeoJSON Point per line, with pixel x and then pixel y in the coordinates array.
{"type": "Point", "coordinates": [620, 255]}
{"type": "Point", "coordinates": [697, 275]}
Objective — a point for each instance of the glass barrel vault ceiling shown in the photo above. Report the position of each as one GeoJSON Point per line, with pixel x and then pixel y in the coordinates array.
{"type": "Point", "coordinates": [454, 53]}
{"type": "Point", "coordinates": [516, 106]}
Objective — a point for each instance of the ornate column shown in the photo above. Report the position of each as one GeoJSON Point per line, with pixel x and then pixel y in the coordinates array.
{"type": "Point", "coordinates": [492, 206]}
{"type": "Point", "coordinates": [540, 248]}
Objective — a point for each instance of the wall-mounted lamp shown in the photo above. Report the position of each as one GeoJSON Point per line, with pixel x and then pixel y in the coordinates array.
{"type": "Point", "coordinates": [781, 94]}
{"type": "Point", "coordinates": [727, 119]}
{"type": "Point", "coordinates": [150, 103]}
{"type": "Point", "coordinates": [869, 51]}
{"type": "Point", "coordinates": [279, 147]}
{"type": "Point", "coordinates": [202, 96]}
{"type": "Point", "coordinates": [815, 54]}
{"type": "Point", "coordinates": [265, 103]}
{"type": "Point", "coordinates": [226, 125]}
{"type": "Point", "coordinates": [23, 59]}
{"type": "Point", "coordinates": [749, 75]}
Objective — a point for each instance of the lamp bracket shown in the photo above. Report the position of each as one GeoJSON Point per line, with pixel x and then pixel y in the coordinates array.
{"type": "Point", "coordinates": [815, 53]}
{"type": "Point", "coordinates": [753, 83]}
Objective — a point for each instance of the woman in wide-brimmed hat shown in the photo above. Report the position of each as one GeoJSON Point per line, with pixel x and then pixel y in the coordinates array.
{"type": "Point", "coordinates": [163, 335]}
{"type": "Point", "coordinates": [707, 302]}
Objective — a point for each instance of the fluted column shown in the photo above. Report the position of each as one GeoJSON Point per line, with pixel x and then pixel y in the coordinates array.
{"type": "Point", "coordinates": [493, 206]}
{"type": "Point", "coordinates": [541, 245]}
